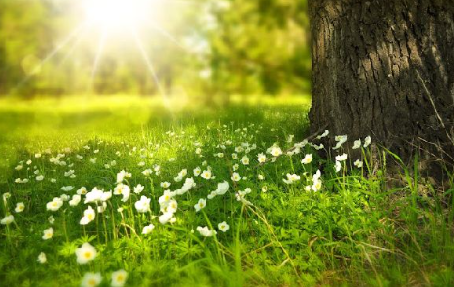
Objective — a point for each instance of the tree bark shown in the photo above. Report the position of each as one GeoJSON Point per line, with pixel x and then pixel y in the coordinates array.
{"type": "Point", "coordinates": [385, 68]}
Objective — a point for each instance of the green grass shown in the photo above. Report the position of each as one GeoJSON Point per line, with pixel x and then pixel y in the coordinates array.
{"type": "Point", "coordinates": [357, 230]}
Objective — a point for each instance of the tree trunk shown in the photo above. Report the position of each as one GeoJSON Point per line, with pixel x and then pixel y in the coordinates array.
{"type": "Point", "coordinates": [385, 68]}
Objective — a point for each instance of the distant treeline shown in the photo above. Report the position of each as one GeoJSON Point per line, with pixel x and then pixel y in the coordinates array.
{"type": "Point", "coordinates": [212, 48]}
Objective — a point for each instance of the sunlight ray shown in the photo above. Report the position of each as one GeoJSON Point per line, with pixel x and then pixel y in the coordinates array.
{"type": "Point", "coordinates": [99, 51]}
{"type": "Point", "coordinates": [74, 47]}
{"type": "Point", "coordinates": [75, 33]}
{"type": "Point", "coordinates": [166, 34]}
{"type": "Point", "coordinates": [147, 60]}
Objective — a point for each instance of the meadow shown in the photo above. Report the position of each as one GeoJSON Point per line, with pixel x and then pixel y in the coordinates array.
{"type": "Point", "coordinates": [129, 191]}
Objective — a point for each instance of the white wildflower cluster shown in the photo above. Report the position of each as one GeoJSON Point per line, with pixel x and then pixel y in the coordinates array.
{"type": "Point", "coordinates": [134, 197]}
{"type": "Point", "coordinates": [168, 203]}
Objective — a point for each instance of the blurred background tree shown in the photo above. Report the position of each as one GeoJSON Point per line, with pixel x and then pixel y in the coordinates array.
{"type": "Point", "coordinates": [209, 48]}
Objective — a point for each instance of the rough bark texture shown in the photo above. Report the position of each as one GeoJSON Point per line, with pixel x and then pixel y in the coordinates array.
{"type": "Point", "coordinates": [384, 68]}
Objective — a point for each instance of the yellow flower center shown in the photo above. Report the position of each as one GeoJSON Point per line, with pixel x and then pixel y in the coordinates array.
{"type": "Point", "coordinates": [87, 255]}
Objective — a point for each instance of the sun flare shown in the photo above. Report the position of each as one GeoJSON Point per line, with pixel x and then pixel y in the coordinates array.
{"type": "Point", "coordinates": [116, 14]}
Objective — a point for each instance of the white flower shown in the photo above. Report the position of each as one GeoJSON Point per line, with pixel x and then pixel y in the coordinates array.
{"type": "Point", "coordinates": [138, 189]}
{"type": "Point", "coordinates": [148, 229]}
{"type": "Point", "coordinates": [261, 157]}
{"type": "Point", "coordinates": [171, 206]}
{"type": "Point", "coordinates": [204, 231]}
{"type": "Point", "coordinates": [147, 172]}
{"type": "Point", "coordinates": [341, 157]}
{"type": "Point", "coordinates": [122, 175]}
{"type": "Point", "coordinates": [166, 217]}
{"type": "Point", "coordinates": [275, 151]}
{"type": "Point", "coordinates": [39, 178]}
{"type": "Point", "coordinates": [235, 167]}
{"type": "Point", "coordinates": [122, 189]}
{"type": "Point", "coordinates": [91, 279]}
{"type": "Point", "coordinates": [106, 196]}
{"type": "Point", "coordinates": [86, 253]}
{"type": "Point", "coordinates": [94, 195]}
{"type": "Point", "coordinates": [165, 184]}
{"type": "Point", "coordinates": [143, 205]}
{"type": "Point", "coordinates": [119, 278]}
{"type": "Point", "coordinates": [82, 191]}
{"type": "Point", "coordinates": [75, 200]}
{"type": "Point", "coordinates": [317, 147]}
{"type": "Point", "coordinates": [200, 205]}
{"type": "Point", "coordinates": [338, 166]}
{"type": "Point", "coordinates": [206, 174]}
{"type": "Point", "coordinates": [239, 149]}
{"type": "Point", "coordinates": [234, 156]}
{"type": "Point", "coordinates": [223, 226]}
{"type": "Point", "coordinates": [188, 184]}
{"type": "Point", "coordinates": [307, 159]}
{"type": "Point", "coordinates": [166, 197]}
{"type": "Point", "coordinates": [356, 144]}
{"type": "Point", "coordinates": [324, 134]}
{"type": "Point", "coordinates": [358, 163]}
{"type": "Point", "coordinates": [222, 189]}
{"type": "Point", "coordinates": [102, 208]}
{"type": "Point", "coordinates": [7, 220]}
{"type": "Point", "coordinates": [245, 160]}
{"type": "Point", "coordinates": [198, 150]}
{"type": "Point", "coordinates": [55, 204]}
{"type": "Point", "coordinates": [19, 207]}
{"type": "Point", "coordinates": [6, 195]}
{"type": "Point", "coordinates": [291, 178]}
{"type": "Point", "coordinates": [69, 173]}
{"type": "Point", "coordinates": [197, 171]}
{"type": "Point", "coordinates": [261, 177]}
{"type": "Point", "coordinates": [48, 233]}
{"type": "Point", "coordinates": [316, 185]}
{"type": "Point", "coordinates": [51, 219]}
{"type": "Point", "coordinates": [67, 188]}
{"type": "Point", "coordinates": [340, 141]}
{"type": "Point", "coordinates": [316, 175]}
{"type": "Point", "coordinates": [18, 180]}
{"type": "Point", "coordinates": [42, 258]}
{"type": "Point", "coordinates": [19, 167]}
{"type": "Point", "coordinates": [367, 141]}
{"type": "Point", "coordinates": [89, 215]}
{"type": "Point", "coordinates": [236, 177]}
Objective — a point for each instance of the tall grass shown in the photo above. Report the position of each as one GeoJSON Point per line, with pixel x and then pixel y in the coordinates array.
{"type": "Point", "coordinates": [364, 227]}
